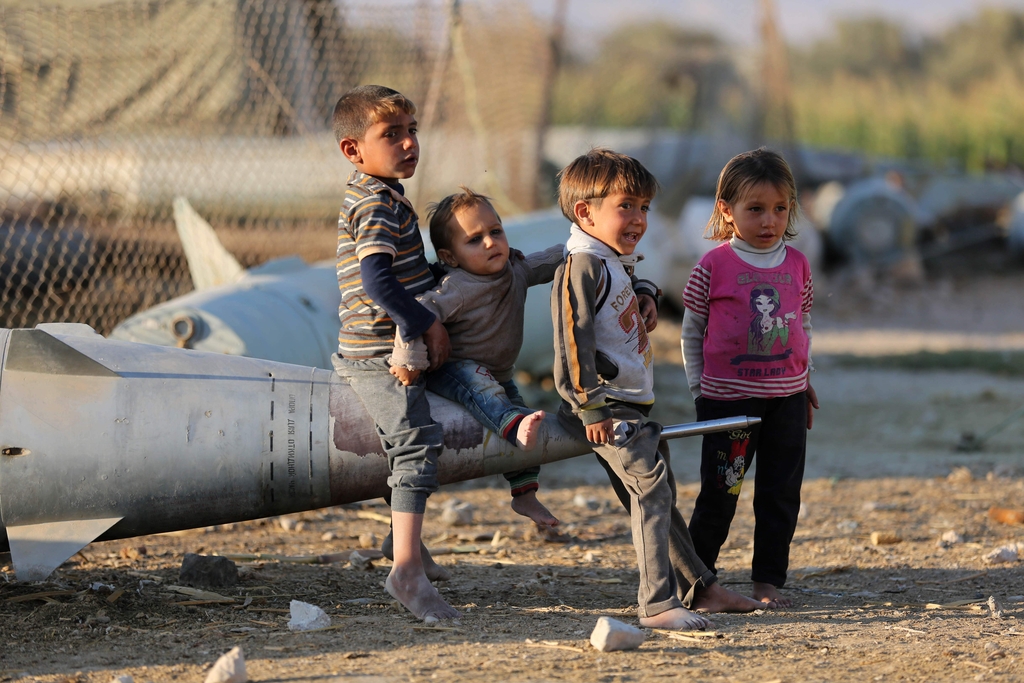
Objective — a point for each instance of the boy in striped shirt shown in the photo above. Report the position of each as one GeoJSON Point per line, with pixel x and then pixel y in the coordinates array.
{"type": "Point", "coordinates": [381, 269]}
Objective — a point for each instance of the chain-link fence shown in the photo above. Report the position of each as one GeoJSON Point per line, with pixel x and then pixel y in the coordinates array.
{"type": "Point", "coordinates": [110, 109]}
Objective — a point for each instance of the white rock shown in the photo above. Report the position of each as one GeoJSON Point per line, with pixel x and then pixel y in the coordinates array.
{"type": "Point", "coordinates": [952, 538]}
{"type": "Point", "coordinates": [611, 634]}
{"type": "Point", "coordinates": [230, 668]}
{"type": "Point", "coordinates": [1006, 553]}
{"type": "Point", "coordinates": [287, 523]}
{"type": "Point", "coordinates": [123, 678]}
{"type": "Point", "coordinates": [456, 513]}
{"type": "Point", "coordinates": [581, 501]}
{"type": "Point", "coordinates": [306, 617]}
{"type": "Point", "coordinates": [328, 536]}
{"type": "Point", "coordinates": [960, 475]}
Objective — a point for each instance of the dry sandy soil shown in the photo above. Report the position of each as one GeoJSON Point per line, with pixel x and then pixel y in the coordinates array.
{"type": "Point", "coordinates": [881, 459]}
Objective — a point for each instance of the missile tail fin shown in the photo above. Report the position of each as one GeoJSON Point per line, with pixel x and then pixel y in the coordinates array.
{"type": "Point", "coordinates": [209, 263]}
{"type": "Point", "coordinates": [39, 352]}
{"type": "Point", "coordinates": [38, 549]}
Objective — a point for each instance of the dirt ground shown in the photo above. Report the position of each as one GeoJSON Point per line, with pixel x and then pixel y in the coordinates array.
{"type": "Point", "coordinates": [881, 458]}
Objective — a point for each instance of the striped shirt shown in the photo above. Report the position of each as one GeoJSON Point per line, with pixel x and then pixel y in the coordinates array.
{"type": "Point", "coordinates": [755, 344]}
{"type": "Point", "coordinates": [375, 219]}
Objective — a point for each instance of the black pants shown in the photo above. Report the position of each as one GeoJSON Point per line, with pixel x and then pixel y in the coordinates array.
{"type": "Point", "coordinates": [780, 442]}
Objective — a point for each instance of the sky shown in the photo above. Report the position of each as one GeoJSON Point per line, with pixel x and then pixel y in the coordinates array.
{"type": "Point", "coordinates": [801, 21]}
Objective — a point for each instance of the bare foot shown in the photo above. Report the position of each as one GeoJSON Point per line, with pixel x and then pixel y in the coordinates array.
{"type": "Point", "coordinates": [413, 590]}
{"type": "Point", "coordinates": [769, 595]}
{"type": "Point", "coordinates": [432, 569]}
{"type": "Point", "coordinates": [529, 428]}
{"type": "Point", "coordinates": [527, 505]}
{"type": "Point", "coordinates": [718, 598]}
{"type": "Point", "coordinates": [676, 619]}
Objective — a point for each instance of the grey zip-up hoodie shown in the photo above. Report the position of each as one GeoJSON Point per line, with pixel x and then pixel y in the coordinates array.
{"type": "Point", "coordinates": [601, 347]}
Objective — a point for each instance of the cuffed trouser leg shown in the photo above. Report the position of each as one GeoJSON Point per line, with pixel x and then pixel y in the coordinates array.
{"type": "Point", "coordinates": [645, 475]}
{"type": "Point", "coordinates": [401, 415]}
{"type": "Point", "coordinates": [692, 575]}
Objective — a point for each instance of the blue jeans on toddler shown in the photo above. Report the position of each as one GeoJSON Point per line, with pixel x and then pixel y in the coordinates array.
{"type": "Point", "coordinates": [496, 405]}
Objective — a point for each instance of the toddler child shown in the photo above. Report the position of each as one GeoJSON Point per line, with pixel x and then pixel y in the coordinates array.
{"type": "Point", "coordinates": [746, 350]}
{"type": "Point", "coordinates": [381, 269]}
{"type": "Point", "coordinates": [605, 375]}
{"type": "Point", "coordinates": [480, 300]}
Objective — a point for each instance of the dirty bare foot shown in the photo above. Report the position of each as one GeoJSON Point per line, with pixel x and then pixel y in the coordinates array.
{"type": "Point", "coordinates": [718, 598]}
{"type": "Point", "coordinates": [769, 595]}
{"type": "Point", "coordinates": [529, 428]}
{"type": "Point", "coordinates": [676, 619]}
{"type": "Point", "coordinates": [527, 505]}
{"type": "Point", "coordinates": [432, 569]}
{"type": "Point", "coordinates": [413, 590]}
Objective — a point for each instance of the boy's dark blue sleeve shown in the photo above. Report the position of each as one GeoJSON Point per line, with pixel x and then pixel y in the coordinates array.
{"type": "Point", "coordinates": [386, 291]}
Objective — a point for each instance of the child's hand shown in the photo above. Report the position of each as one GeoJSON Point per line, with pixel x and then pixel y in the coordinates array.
{"type": "Point", "coordinates": [601, 432]}
{"type": "Point", "coordinates": [648, 311]}
{"type": "Point", "coordinates": [406, 376]}
{"type": "Point", "coordinates": [438, 346]}
{"type": "Point", "coordinates": [812, 405]}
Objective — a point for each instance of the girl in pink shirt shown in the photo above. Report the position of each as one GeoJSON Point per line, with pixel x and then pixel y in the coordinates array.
{"type": "Point", "coordinates": [746, 350]}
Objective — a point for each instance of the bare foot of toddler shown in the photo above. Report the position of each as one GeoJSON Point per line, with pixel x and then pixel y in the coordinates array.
{"type": "Point", "coordinates": [527, 505]}
{"type": "Point", "coordinates": [529, 428]}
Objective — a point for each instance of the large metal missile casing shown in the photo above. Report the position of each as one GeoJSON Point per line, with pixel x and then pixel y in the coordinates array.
{"type": "Point", "coordinates": [103, 439]}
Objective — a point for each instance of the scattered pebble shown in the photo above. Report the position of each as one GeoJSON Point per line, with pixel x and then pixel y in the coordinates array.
{"type": "Point", "coordinates": [611, 634]}
{"type": "Point", "coordinates": [1005, 515]}
{"type": "Point", "coordinates": [328, 536]}
{"type": "Point", "coordinates": [368, 539]}
{"type": "Point", "coordinates": [306, 617]}
{"type": "Point", "coordinates": [360, 561]}
{"type": "Point", "coordinates": [993, 651]}
{"type": "Point", "coordinates": [994, 610]}
{"type": "Point", "coordinates": [581, 501]}
{"type": "Point", "coordinates": [207, 571]}
{"type": "Point", "coordinates": [230, 668]}
{"type": "Point", "coordinates": [847, 525]}
{"type": "Point", "coordinates": [960, 475]}
{"type": "Point", "coordinates": [123, 678]}
{"type": "Point", "coordinates": [1006, 553]}
{"type": "Point", "coordinates": [457, 513]}
{"type": "Point", "coordinates": [950, 538]}
{"type": "Point", "coordinates": [885, 538]}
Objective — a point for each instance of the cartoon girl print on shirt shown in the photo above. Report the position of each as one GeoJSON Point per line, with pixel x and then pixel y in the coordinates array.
{"type": "Point", "coordinates": [768, 329]}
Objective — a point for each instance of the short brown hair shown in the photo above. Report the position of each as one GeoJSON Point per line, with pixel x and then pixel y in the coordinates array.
{"type": "Point", "coordinates": [599, 173]}
{"type": "Point", "coordinates": [743, 172]}
{"type": "Point", "coordinates": [361, 107]}
{"type": "Point", "coordinates": [443, 212]}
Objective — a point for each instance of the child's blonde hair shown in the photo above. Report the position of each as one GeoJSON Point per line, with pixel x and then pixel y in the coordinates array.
{"type": "Point", "coordinates": [742, 173]}
{"type": "Point", "coordinates": [599, 173]}
{"type": "Point", "coordinates": [361, 107]}
{"type": "Point", "coordinates": [441, 214]}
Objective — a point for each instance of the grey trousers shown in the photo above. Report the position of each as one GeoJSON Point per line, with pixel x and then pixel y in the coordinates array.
{"type": "Point", "coordinates": [641, 474]}
{"type": "Point", "coordinates": [411, 439]}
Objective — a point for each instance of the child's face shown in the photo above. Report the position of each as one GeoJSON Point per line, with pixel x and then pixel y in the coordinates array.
{"type": "Point", "coordinates": [760, 216]}
{"type": "Point", "coordinates": [620, 220]}
{"type": "Point", "coordinates": [389, 150]}
{"type": "Point", "coordinates": [478, 242]}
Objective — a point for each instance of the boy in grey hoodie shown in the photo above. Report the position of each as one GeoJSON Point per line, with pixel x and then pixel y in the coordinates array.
{"type": "Point", "coordinates": [604, 372]}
